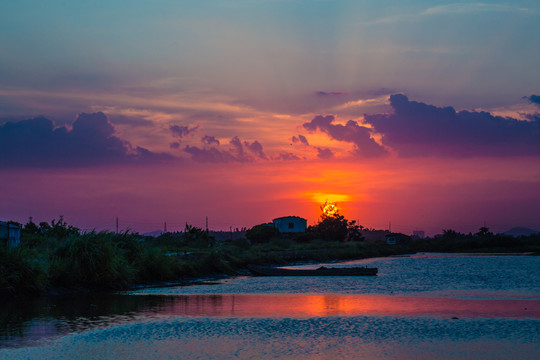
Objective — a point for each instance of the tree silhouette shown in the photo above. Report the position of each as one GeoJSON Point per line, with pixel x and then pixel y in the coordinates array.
{"type": "Point", "coordinates": [483, 231]}
{"type": "Point", "coordinates": [197, 236]}
{"type": "Point", "coordinates": [261, 233]}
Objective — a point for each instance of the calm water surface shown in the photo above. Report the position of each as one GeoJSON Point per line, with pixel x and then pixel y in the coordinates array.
{"type": "Point", "coordinates": [420, 307]}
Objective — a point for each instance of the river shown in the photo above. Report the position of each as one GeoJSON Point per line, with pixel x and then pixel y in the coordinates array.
{"type": "Point", "coordinates": [424, 306]}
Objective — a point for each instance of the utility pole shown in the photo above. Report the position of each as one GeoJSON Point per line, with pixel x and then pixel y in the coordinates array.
{"type": "Point", "coordinates": [208, 234]}
{"type": "Point", "coordinates": [165, 227]}
{"type": "Point", "coordinates": [117, 225]}
{"type": "Point", "coordinates": [390, 226]}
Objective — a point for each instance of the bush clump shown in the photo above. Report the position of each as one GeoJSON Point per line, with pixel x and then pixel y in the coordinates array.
{"type": "Point", "coordinates": [262, 233]}
{"type": "Point", "coordinates": [91, 260]}
{"type": "Point", "coordinates": [21, 272]}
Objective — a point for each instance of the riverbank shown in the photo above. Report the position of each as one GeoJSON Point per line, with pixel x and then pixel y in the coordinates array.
{"type": "Point", "coordinates": [82, 263]}
{"type": "Point", "coordinates": [111, 262]}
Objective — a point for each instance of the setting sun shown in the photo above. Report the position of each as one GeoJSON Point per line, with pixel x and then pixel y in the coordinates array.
{"type": "Point", "coordinates": [329, 209]}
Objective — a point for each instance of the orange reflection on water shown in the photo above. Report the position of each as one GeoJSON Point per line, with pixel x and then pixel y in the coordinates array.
{"type": "Point", "coordinates": [346, 305]}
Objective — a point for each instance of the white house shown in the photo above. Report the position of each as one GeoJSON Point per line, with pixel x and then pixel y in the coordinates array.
{"type": "Point", "coordinates": [290, 224]}
{"type": "Point", "coordinates": [10, 234]}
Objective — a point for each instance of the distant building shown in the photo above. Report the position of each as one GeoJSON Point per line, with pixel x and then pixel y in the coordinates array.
{"type": "Point", "coordinates": [290, 224]}
{"type": "Point", "coordinates": [418, 234]}
{"type": "Point", "coordinates": [10, 234]}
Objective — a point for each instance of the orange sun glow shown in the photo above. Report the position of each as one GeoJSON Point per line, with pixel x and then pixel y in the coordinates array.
{"type": "Point", "coordinates": [329, 209]}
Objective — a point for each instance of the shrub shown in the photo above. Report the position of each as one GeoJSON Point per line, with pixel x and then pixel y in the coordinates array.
{"type": "Point", "coordinates": [92, 260]}
{"type": "Point", "coordinates": [214, 263]}
{"type": "Point", "coordinates": [153, 265]}
{"type": "Point", "coordinates": [262, 233]}
{"type": "Point", "coordinates": [281, 243]}
{"type": "Point", "coordinates": [21, 273]}
{"type": "Point", "coordinates": [241, 243]}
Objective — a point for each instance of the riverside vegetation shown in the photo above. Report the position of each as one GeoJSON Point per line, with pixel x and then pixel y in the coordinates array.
{"type": "Point", "coordinates": [58, 258]}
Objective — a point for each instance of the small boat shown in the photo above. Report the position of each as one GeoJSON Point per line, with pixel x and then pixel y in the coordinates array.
{"type": "Point", "coordinates": [322, 271]}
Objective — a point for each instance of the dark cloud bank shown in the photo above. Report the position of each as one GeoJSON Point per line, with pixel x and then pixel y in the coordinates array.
{"type": "Point", "coordinates": [418, 129]}
{"type": "Point", "coordinates": [91, 141]}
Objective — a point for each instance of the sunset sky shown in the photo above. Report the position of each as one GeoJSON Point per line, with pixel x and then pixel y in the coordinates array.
{"type": "Point", "coordinates": [425, 114]}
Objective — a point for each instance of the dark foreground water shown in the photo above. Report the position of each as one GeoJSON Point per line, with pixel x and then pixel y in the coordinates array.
{"type": "Point", "coordinates": [421, 307]}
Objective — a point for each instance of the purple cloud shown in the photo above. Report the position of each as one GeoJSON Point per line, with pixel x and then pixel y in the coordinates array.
{"type": "Point", "coordinates": [533, 117]}
{"type": "Point", "coordinates": [238, 149]}
{"type": "Point", "coordinates": [212, 154]}
{"type": "Point", "coordinates": [286, 156]}
{"type": "Point", "coordinates": [300, 139]}
{"type": "Point", "coordinates": [91, 141]}
{"type": "Point", "coordinates": [209, 140]}
{"type": "Point", "coordinates": [418, 129]}
{"type": "Point", "coordinates": [181, 131]}
{"type": "Point", "coordinates": [535, 99]}
{"type": "Point", "coordinates": [351, 132]}
{"type": "Point", "coordinates": [324, 153]}
{"type": "Point", "coordinates": [236, 152]}
{"type": "Point", "coordinates": [174, 145]}
{"type": "Point", "coordinates": [256, 148]}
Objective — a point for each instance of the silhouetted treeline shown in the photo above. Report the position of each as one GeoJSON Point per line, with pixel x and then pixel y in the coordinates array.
{"type": "Point", "coordinates": [482, 241]}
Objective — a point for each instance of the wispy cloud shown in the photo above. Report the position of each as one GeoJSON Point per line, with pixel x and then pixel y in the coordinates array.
{"type": "Point", "coordinates": [469, 8]}
{"type": "Point", "coordinates": [380, 100]}
{"type": "Point", "coordinates": [146, 104]}
{"type": "Point", "coordinates": [181, 131]}
{"type": "Point", "coordinates": [453, 9]}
